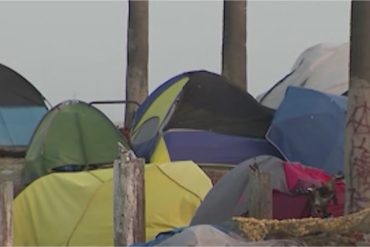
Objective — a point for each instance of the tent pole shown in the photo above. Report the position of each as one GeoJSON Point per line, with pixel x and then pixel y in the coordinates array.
{"type": "Point", "coordinates": [6, 224]}
{"type": "Point", "coordinates": [114, 102]}
{"type": "Point", "coordinates": [129, 199]}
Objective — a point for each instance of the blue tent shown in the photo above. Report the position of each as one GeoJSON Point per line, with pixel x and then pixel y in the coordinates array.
{"type": "Point", "coordinates": [309, 127]}
{"type": "Point", "coordinates": [18, 123]}
{"type": "Point", "coordinates": [21, 108]}
{"type": "Point", "coordinates": [200, 116]}
{"type": "Point", "coordinates": [207, 147]}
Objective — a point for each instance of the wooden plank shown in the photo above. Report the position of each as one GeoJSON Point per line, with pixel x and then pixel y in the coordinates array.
{"type": "Point", "coordinates": [260, 192]}
{"type": "Point", "coordinates": [6, 226]}
{"type": "Point", "coordinates": [129, 201]}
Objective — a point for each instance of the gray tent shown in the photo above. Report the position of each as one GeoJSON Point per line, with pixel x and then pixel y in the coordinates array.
{"type": "Point", "coordinates": [204, 235]}
{"type": "Point", "coordinates": [208, 235]}
{"type": "Point", "coordinates": [227, 198]}
{"type": "Point", "coordinates": [323, 67]}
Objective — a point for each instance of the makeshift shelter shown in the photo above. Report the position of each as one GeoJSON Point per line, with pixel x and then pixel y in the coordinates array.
{"type": "Point", "coordinates": [309, 127]}
{"type": "Point", "coordinates": [206, 107]}
{"type": "Point", "coordinates": [323, 67]}
{"type": "Point", "coordinates": [21, 108]}
{"type": "Point", "coordinates": [290, 183]}
{"type": "Point", "coordinates": [76, 208]}
{"type": "Point", "coordinates": [72, 135]}
{"type": "Point", "coordinates": [203, 235]}
{"type": "Point", "coordinates": [208, 147]}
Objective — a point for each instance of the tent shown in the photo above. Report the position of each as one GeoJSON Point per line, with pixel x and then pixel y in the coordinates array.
{"type": "Point", "coordinates": [323, 67]}
{"type": "Point", "coordinates": [309, 127]}
{"type": "Point", "coordinates": [225, 234]}
{"type": "Point", "coordinates": [21, 108]}
{"type": "Point", "coordinates": [207, 147]}
{"type": "Point", "coordinates": [204, 105]}
{"type": "Point", "coordinates": [290, 183]}
{"type": "Point", "coordinates": [72, 135]}
{"type": "Point", "coordinates": [205, 235]}
{"type": "Point", "coordinates": [76, 208]}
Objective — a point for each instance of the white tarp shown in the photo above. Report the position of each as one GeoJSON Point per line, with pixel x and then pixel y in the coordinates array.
{"type": "Point", "coordinates": [323, 67]}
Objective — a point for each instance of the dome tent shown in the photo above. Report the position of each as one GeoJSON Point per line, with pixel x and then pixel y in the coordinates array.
{"type": "Point", "coordinates": [309, 127]}
{"type": "Point", "coordinates": [73, 134]}
{"type": "Point", "coordinates": [200, 116]}
{"type": "Point", "coordinates": [323, 67]}
{"type": "Point", "coordinates": [76, 208]}
{"type": "Point", "coordinates": [21, 108]}
{"type": "Point", "coordinates": [290, 182]}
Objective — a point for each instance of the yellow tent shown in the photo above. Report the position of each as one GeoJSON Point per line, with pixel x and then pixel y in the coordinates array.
{"type": "Point", "coordinates": [77, 208]}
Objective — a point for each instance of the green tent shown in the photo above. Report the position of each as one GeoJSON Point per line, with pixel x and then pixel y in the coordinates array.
{"type": "Point", "coordinates": [72, 136]}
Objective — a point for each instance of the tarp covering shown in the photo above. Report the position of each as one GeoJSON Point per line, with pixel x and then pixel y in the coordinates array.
{"type": "Point", "coordinates": [21, 108]}
{"type": "Point", "coordinates": [229, 197]}
{"type": "Point", "coordinates": [309, 127]}
{"type": "Point", "coordinates": [77, 208]}
{"type": "Point", "coordinates": [205, 235]}
{"type": "Point", "coordinates": [209, 102]}
{"type": "Point", "coordinates": [72, 133]}
{"type": "Point", "coordinates": [207, 147]}
{"type": "Point", "coordinates": [323, 67]}
{"type": "Point", "coordinates": [151, 114]}
{"type": "Point", "coordinates": [225, 234]}
{"type": "Point", "coordinates": [18, 123]}
{"type": "Point", "coordinates": [15, 90]}
{"type": "Point", "coordinates": [199, 100]}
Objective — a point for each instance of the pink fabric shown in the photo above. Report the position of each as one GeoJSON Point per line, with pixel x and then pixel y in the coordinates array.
{"type": "Point", "coordinates": [289, 206]}
{"type": "Point", "coordinates": [299, 176]}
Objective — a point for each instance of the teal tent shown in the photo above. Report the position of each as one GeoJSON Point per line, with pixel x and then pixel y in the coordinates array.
{"type": "Point", "coordinates": [72, 136]}
{"type": "Point", "coordinates": [21, 108]}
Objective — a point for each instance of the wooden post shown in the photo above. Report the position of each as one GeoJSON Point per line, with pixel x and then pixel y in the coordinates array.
{"type": "Point", "coordinates": [137, 56]}
{"type": "Point", "coordinates": [260, 194]}
{"type": "Point", "coordinates": [6, 226]}
{"type": "Point", "coordinates": [234, 43]}
{"type": "Point", "coordinates": [357, 143]}
{"type": "Point", "coordinates": [129, 202]}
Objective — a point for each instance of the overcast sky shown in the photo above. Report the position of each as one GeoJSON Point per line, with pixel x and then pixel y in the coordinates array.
{"type": "Point", "coordinates": [77, 50]}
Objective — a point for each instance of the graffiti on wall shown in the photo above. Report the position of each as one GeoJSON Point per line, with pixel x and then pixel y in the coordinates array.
{"type": "Point", "coordinates": [359, 156]}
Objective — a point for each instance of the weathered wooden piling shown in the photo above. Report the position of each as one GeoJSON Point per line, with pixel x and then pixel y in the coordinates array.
{"type": "Point", "coordinates": [129, 200]}
{"type": "Point", "coordinates": [6, 221]}
{"type": "Point", "coordinates": [260, 192]}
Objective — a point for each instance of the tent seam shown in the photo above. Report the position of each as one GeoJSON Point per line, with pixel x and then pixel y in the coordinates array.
{"type": "Point", "coordinates": [176, 182]}
{"type": "Point", "coordinates": [83, 215]}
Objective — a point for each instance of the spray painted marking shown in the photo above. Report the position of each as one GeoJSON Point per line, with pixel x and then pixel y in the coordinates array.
{"type": "Point", "coordinates": [360, 158]}
{"type": "Point", "coordinates": [359, 120]}
{"type": "Point", "coordinates": [359, 124]}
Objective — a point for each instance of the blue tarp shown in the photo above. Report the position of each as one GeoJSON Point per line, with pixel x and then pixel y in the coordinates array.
{"type": "Point", "coordinates": [18, 123]}
{"type": "Point", "coordinates": [308, 127]}
{"type": "Point", "coordinates": [208, 147]}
